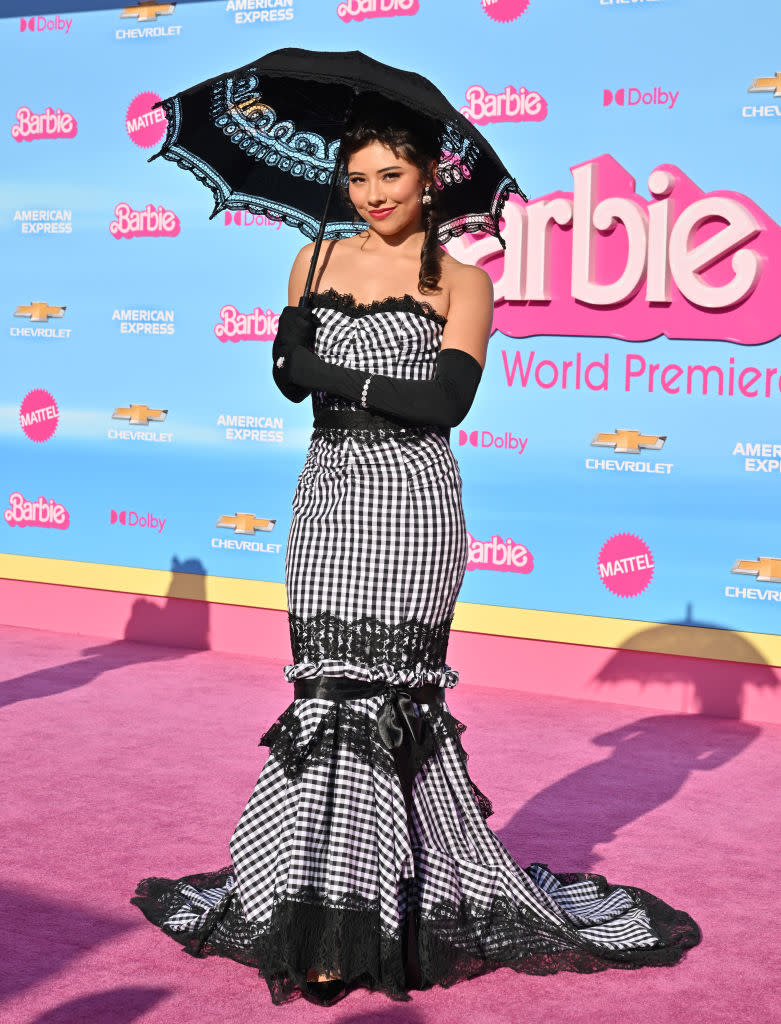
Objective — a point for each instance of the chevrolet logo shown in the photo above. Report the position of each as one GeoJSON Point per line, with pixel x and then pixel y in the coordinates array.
{"type": "Point", "coordinates": [39, 312]}
{"type": "Point", "coordinates": [139, 414]}
{"type": "Point", "coordinates": [245, 522]}
{"type": "Point", "coordinates": [767, 84]}
{"type": "Point", "coordinates": [766, 570]}
{"type": "Point", "coordinates": [147, 10]}
{"type": "Point", "coordinates": [626, 441]}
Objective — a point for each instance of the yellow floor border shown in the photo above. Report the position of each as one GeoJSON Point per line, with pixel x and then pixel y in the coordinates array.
{"type": "Point", "coordinates": [589, 630]}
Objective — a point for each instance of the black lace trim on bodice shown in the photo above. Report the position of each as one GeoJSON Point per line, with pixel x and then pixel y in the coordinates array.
{"type": "Point", "coordinates": [345, 302]}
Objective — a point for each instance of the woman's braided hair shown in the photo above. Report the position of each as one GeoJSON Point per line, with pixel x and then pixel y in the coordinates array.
{"type": "Point", "coordinates": [415, 138]}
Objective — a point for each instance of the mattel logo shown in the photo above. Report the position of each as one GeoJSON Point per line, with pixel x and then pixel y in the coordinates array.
{"type": "Point", "coordinates": [144, 125]}
{"type": "Point", "coordinates": [657, 97]}
{"type": "Point", "coordinates": [43, 512]}
{"type": "Point", "coordinates": [134, 519]}
{"type": "Point", "coordinates": [504, 10]}
{"type": "Point", "coordinates": [502, 555]}
{"type": "Point", "coordinates": [486, 439]}
{"type": "Point", "coordinates": [625, 565]}
{"type": "Point", "coordinates": [41, 24]}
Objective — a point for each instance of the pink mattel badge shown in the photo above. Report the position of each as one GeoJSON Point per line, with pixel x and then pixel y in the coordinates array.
{"type": "Point", "coordinates": [625, 565]}
{"type": "Point", "coordinates": [504, 10]}
{"type": "Point", "coordinates": [144, 125]}
{"type": "Point", "coordinates": [39, 415]}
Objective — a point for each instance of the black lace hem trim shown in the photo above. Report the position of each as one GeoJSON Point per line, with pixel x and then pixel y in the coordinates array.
{"type": "Point", "coordinates": [344, 727]}
{"type": "Point", "coordinates": [454, 942]}
{"type": "Point", "coordinates": [345, 302]}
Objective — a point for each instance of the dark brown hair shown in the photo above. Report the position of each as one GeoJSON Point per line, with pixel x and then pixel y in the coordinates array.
{"type": "Point", "coordinates": [417, 140]}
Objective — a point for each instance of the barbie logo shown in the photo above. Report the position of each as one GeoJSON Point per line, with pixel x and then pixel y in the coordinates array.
{"type": "Point", "coordinates": [144, 125]}
{"type": "Point", "coordinates": [151, 221]}
{"type": "Point", "coordinates": [603, 261]}
{"type": "Point", "coordinates": [498, 554]}
{"type": "Point", "coordinates": [484, 107]}
{"type": "Point", "coordinates": [254, 326]}
{"type": "Point", "coordinates": [357, 10]}
{"type": "Point", "coordinates": [504, 10]}
{"type": "Point", "coordinates": [51, 124]}
{"type": "Point", "coordinates": [43, 512]}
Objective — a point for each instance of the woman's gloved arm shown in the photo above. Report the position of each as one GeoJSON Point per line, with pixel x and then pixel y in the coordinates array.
{"type": "Point", "coordinates": [442, 401]}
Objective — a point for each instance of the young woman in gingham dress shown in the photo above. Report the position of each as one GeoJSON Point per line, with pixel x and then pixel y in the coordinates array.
{"type": "Point", "coordinates": [363, 858]}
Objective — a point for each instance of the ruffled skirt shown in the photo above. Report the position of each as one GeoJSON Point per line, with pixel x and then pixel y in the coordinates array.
{"type": "Point", "coordinates": [332, 870]}
{"type": "Point", "coordinates": [358, 858]}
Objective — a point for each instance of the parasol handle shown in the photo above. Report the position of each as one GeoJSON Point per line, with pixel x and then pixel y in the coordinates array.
{"type": "Point", "coordinates": [304, 300]}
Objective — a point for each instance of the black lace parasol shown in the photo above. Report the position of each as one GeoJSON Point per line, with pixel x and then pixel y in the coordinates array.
{"type": "Point", "coordinates": [265, 138]}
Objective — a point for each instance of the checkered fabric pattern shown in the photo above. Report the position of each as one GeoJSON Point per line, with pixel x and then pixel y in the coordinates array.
{"type": "Point", "coordinates": [375, 560]}
{"type": "Point", "coordinates": [378, 537]}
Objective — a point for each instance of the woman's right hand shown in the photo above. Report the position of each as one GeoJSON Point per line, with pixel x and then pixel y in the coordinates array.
{"type": "Point", "coordinates": [297, 326]}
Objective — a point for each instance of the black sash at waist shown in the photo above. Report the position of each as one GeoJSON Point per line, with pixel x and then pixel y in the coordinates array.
{"type": "Point", "coordinates": [366, 419]}
{"type": "Point", "coordinates": [344, 688]}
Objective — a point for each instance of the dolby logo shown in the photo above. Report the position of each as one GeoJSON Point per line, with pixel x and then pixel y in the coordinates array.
{"type": "Point", "coordinates": [149, 521]}
{"type": "Point", "coordinates": [656, 97]}
{"type": "Point", "coordinates": [487, 439]}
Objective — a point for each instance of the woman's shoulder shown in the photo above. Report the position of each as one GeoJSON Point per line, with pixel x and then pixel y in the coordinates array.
{"type": "Point", "coordinates": [465, 279]}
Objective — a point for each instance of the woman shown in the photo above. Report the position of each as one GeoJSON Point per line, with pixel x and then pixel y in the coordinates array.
{"type": "Point", "coordinates": [363, 857]}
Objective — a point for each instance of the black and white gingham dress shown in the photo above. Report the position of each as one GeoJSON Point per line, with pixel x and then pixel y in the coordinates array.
{"type": "Point", "coordinates": [329, 868]}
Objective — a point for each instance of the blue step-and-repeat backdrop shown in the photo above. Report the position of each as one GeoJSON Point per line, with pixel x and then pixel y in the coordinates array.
{"type": "Point", "coordinates": [623, 456]}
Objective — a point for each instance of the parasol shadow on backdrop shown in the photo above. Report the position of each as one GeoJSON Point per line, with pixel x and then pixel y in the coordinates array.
{"type": "Point", "coordinates": [183, 626]}
{"type": "Point", "coordinates": [718, 684]}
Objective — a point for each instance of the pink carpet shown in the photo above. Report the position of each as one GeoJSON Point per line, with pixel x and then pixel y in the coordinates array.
{"type": "Point", "coordinates": [123, 760]}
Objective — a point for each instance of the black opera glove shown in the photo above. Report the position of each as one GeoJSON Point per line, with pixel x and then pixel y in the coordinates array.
{"type": "Point", "coordinates": [297, 327]}
{"type": "Point", "coordinates": [442, 401]}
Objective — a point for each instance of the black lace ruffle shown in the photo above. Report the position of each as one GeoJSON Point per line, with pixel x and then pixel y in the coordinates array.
{"type": "Point", "coordinates": [344, 727]}
{"type": "Point", "coordinates": [345, 302]}
{"type": "Point", "coordinates": [410, 645]}
{"type": "Point", "coordinates": [454, 941]}
{"type": "Point", "coordinates": [306, 930]}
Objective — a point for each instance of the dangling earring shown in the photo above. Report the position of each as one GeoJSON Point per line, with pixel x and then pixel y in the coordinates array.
{"type": "Point", "coordinates": [426, 198]}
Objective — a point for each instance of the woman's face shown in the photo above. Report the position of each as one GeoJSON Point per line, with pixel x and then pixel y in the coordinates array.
{"type": "Point", "coordinates": [384, 188]}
